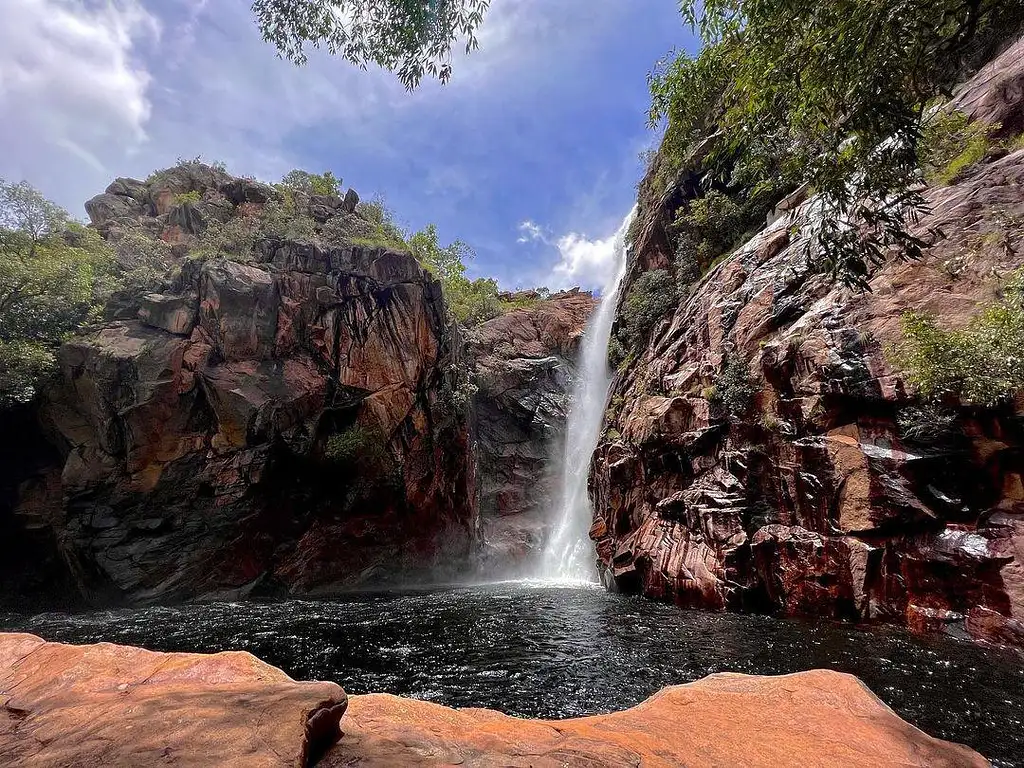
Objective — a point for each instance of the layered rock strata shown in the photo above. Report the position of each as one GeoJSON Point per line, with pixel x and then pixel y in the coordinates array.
{"type": "Point", "coordinates": [525, 368]}
{"type": "Point", "coordinates": [837, 492]}
{"type": "Point", "coordinates": [294, 422]}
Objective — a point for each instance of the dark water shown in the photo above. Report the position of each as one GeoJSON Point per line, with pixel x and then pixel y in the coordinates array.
{"type": "Point", "coordinates": [559, 652]}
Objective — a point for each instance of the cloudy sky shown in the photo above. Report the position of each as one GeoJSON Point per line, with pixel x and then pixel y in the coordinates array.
{"type": "Point", "coordinates": [530, 153]}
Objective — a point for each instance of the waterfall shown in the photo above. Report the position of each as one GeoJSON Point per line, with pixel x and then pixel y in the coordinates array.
{"type": "Point", "coordinates": [569, 554]}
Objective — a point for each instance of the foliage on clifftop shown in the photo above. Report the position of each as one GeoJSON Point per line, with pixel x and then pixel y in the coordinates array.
{"type": "Point", "coordinates": [833, 95]}
{"type": "Point", "coordinates": [54, 274]}
{"type": "Point", "coordinates": [57, 276]}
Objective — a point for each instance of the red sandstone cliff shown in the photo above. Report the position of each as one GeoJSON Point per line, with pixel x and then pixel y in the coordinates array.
{"type": "Point", "coordinates": [817, 501]}
{"type": "Point", "coordinates": [297, 422]}
{"type": "Point", "coordinates": [525, 367]}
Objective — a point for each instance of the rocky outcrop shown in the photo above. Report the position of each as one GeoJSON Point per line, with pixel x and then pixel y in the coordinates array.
{"type": "Point", "coordinates": [831, 491]}
{"type": "Point", "coordinates": [77, 706]}
{"type": "Point", "coordinates": [295, 423]}
{"type": "Point", "coordinates": [819, 718]}
{"type": "Point", "coordinates": [525, 365]}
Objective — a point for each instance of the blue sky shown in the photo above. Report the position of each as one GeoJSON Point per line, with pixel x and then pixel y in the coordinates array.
{"type": "Point", "coordinates": [530, 153]}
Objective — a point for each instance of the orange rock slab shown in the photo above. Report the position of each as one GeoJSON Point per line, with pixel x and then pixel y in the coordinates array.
{"type": "Point", "coordinates": [810, 719]}
{"type": "Point", "coordinates": [65, 706]}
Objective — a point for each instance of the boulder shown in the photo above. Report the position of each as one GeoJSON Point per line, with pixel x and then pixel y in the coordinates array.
{"type": "Point", "coordinates": [238, 310]}
{"type": "Point", "coordinates": [174, 314]}
{"type": "Point", "coordinates": [106, 208]}
{"type": "Point", "coordinates": [165, 186]}
{"type": "Point", "coordinates": [240, 191]}
{"type": "Point", "coordinates": [820, 718]}
{"type": "Point", "coordinates": [83, 706]}
{"type": "Point", "coordinates": [128, 187]}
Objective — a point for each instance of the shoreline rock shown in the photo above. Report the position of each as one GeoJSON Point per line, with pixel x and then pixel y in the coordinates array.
{"type": "Point", "coordinates": [90, 705]}
{"type": "Point", "coordinates": [104, 704]}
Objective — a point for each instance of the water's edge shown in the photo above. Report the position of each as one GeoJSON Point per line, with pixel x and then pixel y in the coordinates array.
{"type": "Point", "coordinates": [548, 652]}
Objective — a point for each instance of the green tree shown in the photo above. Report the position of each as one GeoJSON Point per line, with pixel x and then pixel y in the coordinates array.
{"type": "Point", "coordinates": [412, 38]}
{"type": "Point", "coordinates": [843, 88]}
{"type": "Point", "coordinates": [470, 301]}
{"type": "Point", "coordinates": [325, 183]}
{"type": "Point", "coordinates": [50, 272]}
{"type": "Point", "coordinates": [447, 263]}
{"type": "Point", "coordinates": [387, 234]}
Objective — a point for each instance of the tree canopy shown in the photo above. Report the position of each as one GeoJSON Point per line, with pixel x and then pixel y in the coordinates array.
{"type": "Point", "coordinates": [51, 274]}
{"type": "Point", "coordinates": [412, 38]}
{"type": "Point", "coordinates": [839, 92]}
{"type": "Point", "coordinates": [325, 183]}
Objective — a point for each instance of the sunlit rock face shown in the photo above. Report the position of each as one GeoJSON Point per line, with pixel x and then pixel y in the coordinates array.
{"type": "Point", "coordinates": [81, 706]}
{"type": "Point", "coordinates": [86, 705]}
{"type": "Point", "coordinates": [298, 423]}
{"type": "Point", "coordinates": [823, 499]}
{"type": "Point", "coordinates": [525, 362]}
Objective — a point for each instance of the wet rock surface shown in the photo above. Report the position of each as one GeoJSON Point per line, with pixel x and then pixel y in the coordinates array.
{"type": "Point", "coordinates": [820, 496]}
{"type": "Point", "coordinates": [525, 367]}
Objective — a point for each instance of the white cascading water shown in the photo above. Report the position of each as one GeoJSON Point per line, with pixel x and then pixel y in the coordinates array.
{"type": "Point", "coordinates": [570, 554]}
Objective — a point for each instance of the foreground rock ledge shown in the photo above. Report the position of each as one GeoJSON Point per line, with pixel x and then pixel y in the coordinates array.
{"type": "Point", "coordinates": [71, 706]}
{"type": "Point", "coordinates": [68, 706]}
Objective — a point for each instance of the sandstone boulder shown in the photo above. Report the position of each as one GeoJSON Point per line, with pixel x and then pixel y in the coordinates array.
{"type": "Point", "coordinates": [84, 706]}
{"type": "Point", "coordinates": [174, 314]}
{"type": "Point", "coordinates": [818, 718]}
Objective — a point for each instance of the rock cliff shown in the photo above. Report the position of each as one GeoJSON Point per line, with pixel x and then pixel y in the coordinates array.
{"type": "Point", "coordinates": [112, 705]}
{"type": "Point", "coordinates": [291, 419]}
{"type": "Point", "coordinates": [525, 366]}
{"type": "Point", "coordinates": [832, 491]}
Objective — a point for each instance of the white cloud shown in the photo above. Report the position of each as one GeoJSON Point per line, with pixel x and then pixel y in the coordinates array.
{"type": "Point", "coordinates": [584, 262]}
{"type": "Point", "coordinates": [68, 80]}
{"type": "Point", "coordinates": [530, 231]}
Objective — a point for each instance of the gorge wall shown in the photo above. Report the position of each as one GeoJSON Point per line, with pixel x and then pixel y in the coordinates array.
{"type": "Point", "coordinates": [525, 363]}
{"type": "Point", "coordinates": [294, 421]}
{"type": "Point", "coordinates": [835, 491]}
{"type": "Point", "coordinates": [282, 408]}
